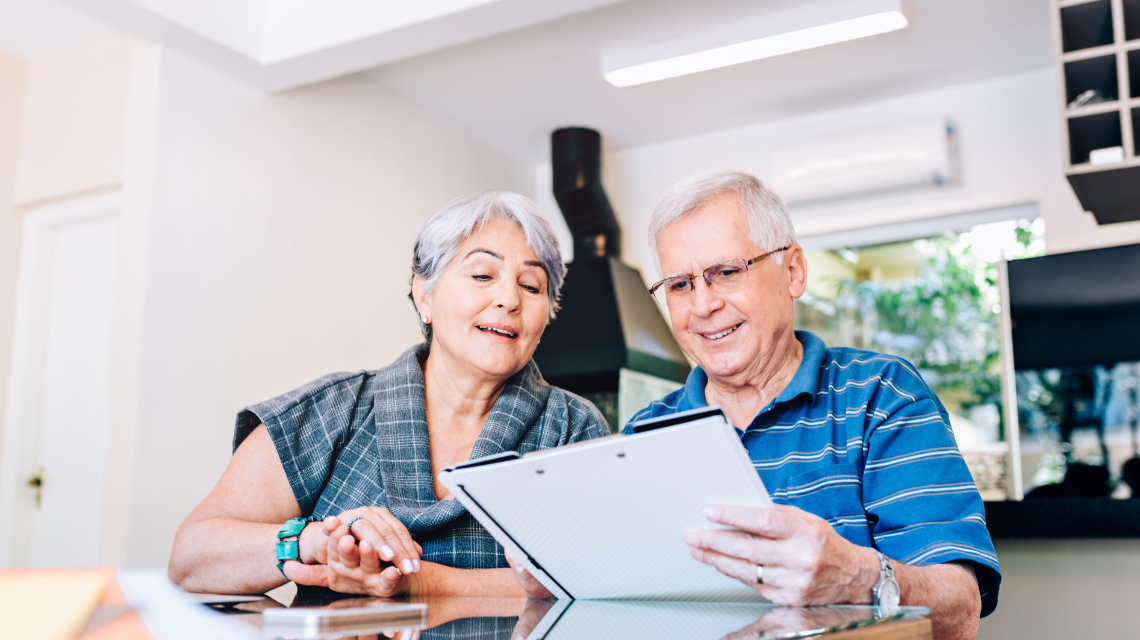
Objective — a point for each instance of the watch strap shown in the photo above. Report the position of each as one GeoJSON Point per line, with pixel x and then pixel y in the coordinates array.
{"type": "Point", "coordinates": [886, 574]}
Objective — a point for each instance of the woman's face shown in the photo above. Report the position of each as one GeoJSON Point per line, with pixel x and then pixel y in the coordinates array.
{"type": "Point", "coordinates": [490, 305]}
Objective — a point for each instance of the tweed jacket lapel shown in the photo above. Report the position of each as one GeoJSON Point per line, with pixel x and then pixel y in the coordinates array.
{"type": "Point", "coordinates": [402, 436]}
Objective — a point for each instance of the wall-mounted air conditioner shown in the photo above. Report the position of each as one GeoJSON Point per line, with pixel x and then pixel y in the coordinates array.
{"type": "Point", "coordinates": [908, 156]}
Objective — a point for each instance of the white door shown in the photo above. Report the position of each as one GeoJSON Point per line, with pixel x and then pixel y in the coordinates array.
{"type": "Point", "coordinates": [61, 417]}
{"type": "Point", "coordinates": [74, 410]}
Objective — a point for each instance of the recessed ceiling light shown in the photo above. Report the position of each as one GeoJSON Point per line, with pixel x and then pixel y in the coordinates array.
{"type": "Point", "coordinates": [765, 47]}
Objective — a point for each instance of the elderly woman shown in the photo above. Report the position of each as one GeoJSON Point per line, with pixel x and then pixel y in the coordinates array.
{"type": "Point", "coordinates": [334, 483]}
{"type": "Point", "coordinates": [875, 503]}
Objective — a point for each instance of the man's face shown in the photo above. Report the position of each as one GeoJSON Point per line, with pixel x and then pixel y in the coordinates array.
{"type": "Point", "coordinates": [730, 334]}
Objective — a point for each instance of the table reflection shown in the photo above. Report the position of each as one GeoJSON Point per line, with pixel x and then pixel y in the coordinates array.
{"type": "Point", "coordinates": [511, 619]}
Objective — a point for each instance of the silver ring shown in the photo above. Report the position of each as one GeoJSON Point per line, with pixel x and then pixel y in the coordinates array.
{"type": "Point", "coordinates": [759, 574]}
{"type": "Point", "coordinates": [353, 521]}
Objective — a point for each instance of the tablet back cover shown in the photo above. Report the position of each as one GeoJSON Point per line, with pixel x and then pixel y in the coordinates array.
{"type": "Point", "coordinates": [605, 519]}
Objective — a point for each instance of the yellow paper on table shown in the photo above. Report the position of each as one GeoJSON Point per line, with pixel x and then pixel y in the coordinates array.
{"type": "Point", "coordinates": [48, 605]}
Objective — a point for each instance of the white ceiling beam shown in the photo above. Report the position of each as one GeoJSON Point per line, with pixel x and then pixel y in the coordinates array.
{"type": "Point", "coordinates": [338, 46]}
{"type": "Point", "coordinates": [297, 27]}
{"type": "Point", "coordinates": [235, 24]}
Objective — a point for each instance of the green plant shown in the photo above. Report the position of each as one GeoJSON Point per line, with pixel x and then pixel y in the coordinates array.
{"type": "Point", "coordinates": [943, 321]}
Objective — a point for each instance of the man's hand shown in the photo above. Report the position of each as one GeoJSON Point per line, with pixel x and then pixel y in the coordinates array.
{"type": "Point", "coordinates": [533, 588]}
{"type": "Point", "coordinates": [789, 622]}
{"type": "Point", "coordinates": [805, 561]}
{"type": "Point", "coordinates": [532, 614]}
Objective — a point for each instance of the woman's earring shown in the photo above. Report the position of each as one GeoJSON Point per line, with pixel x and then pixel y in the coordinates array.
{"type": "Point", "coordinates": [424, 318]}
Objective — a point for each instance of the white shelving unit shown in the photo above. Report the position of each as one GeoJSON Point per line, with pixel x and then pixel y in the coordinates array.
{"type": "Point", "coordinates": [1097, 46]}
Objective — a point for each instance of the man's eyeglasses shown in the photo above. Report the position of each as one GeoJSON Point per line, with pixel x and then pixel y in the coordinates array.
{"type": "Point", "coordinates": [725, 276]}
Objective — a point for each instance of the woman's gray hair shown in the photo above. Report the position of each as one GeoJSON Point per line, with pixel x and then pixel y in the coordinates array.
{"type": "Point", "coordinates": [769, 224]}
{"type": "Point", "coordinates": [457, 220]}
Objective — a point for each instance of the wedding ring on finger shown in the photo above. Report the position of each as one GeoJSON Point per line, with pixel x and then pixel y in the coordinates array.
{"type": "Point", "coordinates": [353, 521]}
{"type": "Point", "coordinates": [759, 574]}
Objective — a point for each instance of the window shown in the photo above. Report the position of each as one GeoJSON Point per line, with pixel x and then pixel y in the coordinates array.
{"type": "Point", "coordinates": [933, 301]}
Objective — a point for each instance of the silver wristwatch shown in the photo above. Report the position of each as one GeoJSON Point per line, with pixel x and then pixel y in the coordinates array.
{"type": "Point", "coordinates": [885, 593]}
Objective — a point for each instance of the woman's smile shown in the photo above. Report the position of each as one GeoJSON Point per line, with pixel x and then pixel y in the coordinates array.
{"type": "Point", "coordinates": [499, 331]}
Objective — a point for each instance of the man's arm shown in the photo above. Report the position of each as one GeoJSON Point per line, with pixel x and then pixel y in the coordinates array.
{"type": "Point", "coordinates": [951, 593]}
{"type": "Point", "coordinates": [807, 563]}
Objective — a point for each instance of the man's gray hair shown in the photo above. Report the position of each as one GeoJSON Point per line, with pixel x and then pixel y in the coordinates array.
{"type": "Point", "coordinates": [769, 224]}
{"type": "Point", "coordinates": [457, 220]}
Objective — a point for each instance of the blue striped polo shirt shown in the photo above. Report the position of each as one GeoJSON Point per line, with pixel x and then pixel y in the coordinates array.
{"type": "Point", "coordinates": [859, 439]}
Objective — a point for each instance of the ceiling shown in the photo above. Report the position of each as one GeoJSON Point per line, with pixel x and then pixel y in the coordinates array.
{"type": "Point", "coordinates": [34, 28]}
{"type": "Point", "coordinates": [513, 89]}
{"type": "Point", "coordinates": [511, 71]}
{"type": "Point", "coordinates": [276, 45]}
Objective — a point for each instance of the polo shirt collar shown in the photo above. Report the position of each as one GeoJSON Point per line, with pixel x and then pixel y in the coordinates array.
{"type": "Point", "coordinates": [805, 381]}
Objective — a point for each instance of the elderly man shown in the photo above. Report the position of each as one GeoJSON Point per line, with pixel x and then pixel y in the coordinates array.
{"type": "Point", "coordinates": [874, 502]}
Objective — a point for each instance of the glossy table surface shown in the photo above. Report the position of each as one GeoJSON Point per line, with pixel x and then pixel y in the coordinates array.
{"type": "Point", "coordinates": [510, 619]}
{"type": "Point", "coordinates": [141, 604]}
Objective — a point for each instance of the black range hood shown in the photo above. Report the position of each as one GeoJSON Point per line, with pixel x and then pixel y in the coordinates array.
{"type": "Point", "coordinates": [608, 320]}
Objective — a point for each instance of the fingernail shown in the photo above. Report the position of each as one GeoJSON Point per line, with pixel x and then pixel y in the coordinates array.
{"type": "Point", "coordinates": [692, 539]}
{"type": "Point", "coordinates": [405, 634]}
{"type": "Point", "coordinates": [712, 513]}
{"type": "Point", "coordinates": [408, 567]}
{"type": "Point", "coordinates": [417, 563]}
{"type": "Point", "coordinates": [386, 552]}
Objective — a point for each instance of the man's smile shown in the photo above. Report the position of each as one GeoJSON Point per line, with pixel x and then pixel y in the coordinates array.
{"type": "Point", "coordinates": [720, 334]}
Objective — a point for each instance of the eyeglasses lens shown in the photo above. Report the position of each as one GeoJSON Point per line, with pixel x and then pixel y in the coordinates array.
{"type": "Point", "coordinates": [726, 275]}
{"type": "Point", "coordinates": [721, 277]}
{"type": "Point", "coordinates": [673, 290]}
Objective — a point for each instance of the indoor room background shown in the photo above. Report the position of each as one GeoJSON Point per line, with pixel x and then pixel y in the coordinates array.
{"type": "Point", "coordinates": [233, 230]}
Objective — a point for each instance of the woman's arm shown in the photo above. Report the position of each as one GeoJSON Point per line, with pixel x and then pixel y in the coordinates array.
{"type": "Point", "coordinates": [440, 580]}
{"type": "Point", "coordinates": [355, 567]}
{"type": "Point", "coordinates": [227, 544]}
{"type": "Point", "coordinates": [433, 580]}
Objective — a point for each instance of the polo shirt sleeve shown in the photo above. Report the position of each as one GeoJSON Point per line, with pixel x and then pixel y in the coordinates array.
{"type": "Point", "coordinates": [918, 493]}
{"type": "Point", "coordinates": [309, 426]}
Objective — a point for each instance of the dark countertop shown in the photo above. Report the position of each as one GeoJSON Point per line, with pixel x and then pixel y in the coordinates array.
{"type": "Point", "coordinates": [1064, 518]}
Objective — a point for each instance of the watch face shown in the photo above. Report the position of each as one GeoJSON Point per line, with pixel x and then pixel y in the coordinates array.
{"type": "Point", "coordinates": [889, 595]}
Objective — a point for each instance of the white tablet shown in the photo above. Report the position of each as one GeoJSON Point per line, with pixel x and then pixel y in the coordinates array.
{"type": "Point", "coordinates": [606, 518]}
{"type": "Point", "coordinates": [572, 620]}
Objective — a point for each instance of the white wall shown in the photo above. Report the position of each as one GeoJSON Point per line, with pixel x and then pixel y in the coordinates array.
{"type": "Point", "coordinates": [1008, 130]}
{"type": "Point", "coordinates": [72, 139]}
{"type": "Point", "coordinates": [79, 135]}
{"type": "Point", "coordinates": [279, 250]}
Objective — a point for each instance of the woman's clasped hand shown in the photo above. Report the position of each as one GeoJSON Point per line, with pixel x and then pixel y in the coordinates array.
{"type": "Point", "coordinates": [377, 557]}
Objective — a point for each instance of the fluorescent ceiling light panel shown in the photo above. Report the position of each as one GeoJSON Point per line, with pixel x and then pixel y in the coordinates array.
{"type": "Point", "coordinates": [872, 18]}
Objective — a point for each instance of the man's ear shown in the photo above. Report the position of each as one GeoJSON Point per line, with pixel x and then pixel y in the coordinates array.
{"type": "Point", "coordinates": [797, 270]}
{"type": "Point", "coordinates": [422, 299]}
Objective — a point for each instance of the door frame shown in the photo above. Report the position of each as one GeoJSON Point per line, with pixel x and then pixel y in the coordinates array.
{"type": "Point", "coordinates": [26, 365]}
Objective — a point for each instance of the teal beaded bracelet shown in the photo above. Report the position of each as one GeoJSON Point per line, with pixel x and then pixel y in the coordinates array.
{"type": "Point", "coordinates": [288, 541]}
